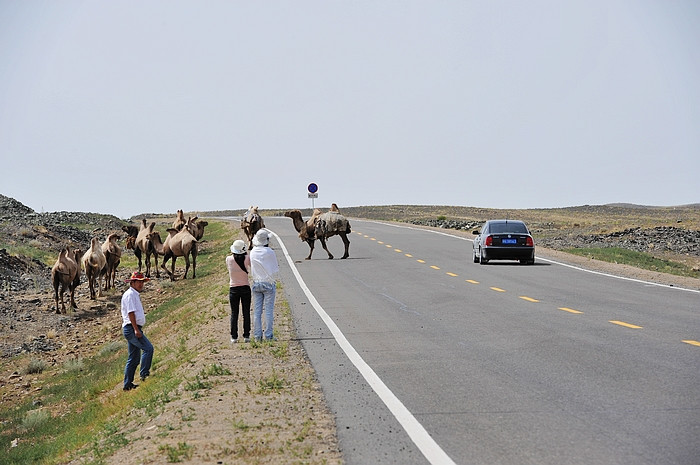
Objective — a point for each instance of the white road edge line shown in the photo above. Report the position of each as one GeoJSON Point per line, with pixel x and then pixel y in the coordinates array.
{"type": "Point", "coordinates": [420, 437]}
{"type": "Point", "coordinates": [546, 259]}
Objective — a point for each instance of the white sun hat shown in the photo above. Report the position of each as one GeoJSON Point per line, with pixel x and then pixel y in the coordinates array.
{"type": "Point", "coordinates": [238, 247]}
{"type": "Point", "coordinates": [262, 237]}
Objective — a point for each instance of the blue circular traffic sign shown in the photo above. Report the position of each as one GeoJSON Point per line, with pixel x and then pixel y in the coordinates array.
{"type": "Point", "coordinates": [313, 188]}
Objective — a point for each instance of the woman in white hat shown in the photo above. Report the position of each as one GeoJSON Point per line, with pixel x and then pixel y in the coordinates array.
{"type": "Point", "coordinates": [263, 269]}
{"type": "Point", "coordinates": [238, 264]}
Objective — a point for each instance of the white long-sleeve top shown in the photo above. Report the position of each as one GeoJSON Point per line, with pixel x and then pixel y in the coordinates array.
{"type": "Point", "coordinates": [263, 264]}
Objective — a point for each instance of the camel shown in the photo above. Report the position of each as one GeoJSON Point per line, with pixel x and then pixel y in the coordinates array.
{"type": "Point", "coordinates": [93, 262]}
{"type": "Point", "coordinates": [145, 247]}
{"type": "Point", "coordinates": [113, 255]}
{"type": "Point", "coordinates": [321, 226]}
{"type": "Point", "coordinates": [131, 233]}
{"type": "Point", "coordinates": [178, 244]}
{"type": "Point", "coordinates": [199, 232]}
{"type": "Point", "coordinates": [179, 221]}
{"type": "Point", "coordinates": [66, 274]}
{"type": "Point", "coordinates": [251, 223]}
{"type": "Point", "coordinates": [196, 227]}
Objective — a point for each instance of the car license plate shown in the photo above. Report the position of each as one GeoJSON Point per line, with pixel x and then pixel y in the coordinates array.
{"type": "Point", "coordinates": [509, 241]}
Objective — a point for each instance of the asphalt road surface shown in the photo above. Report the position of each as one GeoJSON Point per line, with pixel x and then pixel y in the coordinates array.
{"type": "Point", "coordinates": [427, 357]}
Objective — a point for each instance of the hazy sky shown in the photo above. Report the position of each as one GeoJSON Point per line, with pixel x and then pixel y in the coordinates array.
{"type": "Point", "coordinates": [151, 106]}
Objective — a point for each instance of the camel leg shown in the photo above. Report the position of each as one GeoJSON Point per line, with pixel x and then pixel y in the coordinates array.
{"type": "Point", "coordinates": [187, 265]}
{"type": "Point", "coordinates": [311, 248]}
{"type": "Point", "coordinates": [194, 260]}
{"type": "Point", "coordinates": [55, 296]}
{"type": "Point", "coordinates": [148, 265]}
{"type": "Point", "coordinates": [91, 284]}
{"type": "Point", "coordinates": [155, 257]}
{"type": "Point", "coordinates": [137, 252]}
{"type": "Point", "coordinates": [72, 297]}
{"type": "Point", "coordinates": [63, 304]}
{"type": "Point", "coordinates": [163, 265]}
{"type": "Point", "coordinates": [323, 243]}
{"type": "Point", "coordinates": [346, 241]}
{"type": "Point", "coordinates": [172, 267]}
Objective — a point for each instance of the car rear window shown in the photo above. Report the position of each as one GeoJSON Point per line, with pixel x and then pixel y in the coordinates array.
{"type": "Point", "coordinates": [500, 228]}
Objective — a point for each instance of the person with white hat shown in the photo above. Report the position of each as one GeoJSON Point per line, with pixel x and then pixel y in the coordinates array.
{"type": "Point", "coordinates": [263, 269]}
{"type": "Point", "coordinates": [239, 295]}
{"type": "Point", "coordinates": [133, 320]}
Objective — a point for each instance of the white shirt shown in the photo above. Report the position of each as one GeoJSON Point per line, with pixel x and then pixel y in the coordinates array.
{"type": "Point", "coordinates": [131, 303]}
{"type": "Point", "coordinates": [263, 264]}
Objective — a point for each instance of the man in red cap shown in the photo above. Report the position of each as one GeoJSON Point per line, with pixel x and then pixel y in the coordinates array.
{"type": "Point", "coordinates": [133, 319]}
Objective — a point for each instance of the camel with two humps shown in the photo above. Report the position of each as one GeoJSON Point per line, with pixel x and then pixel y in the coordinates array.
{"type": "Point", "coordinates": [93, 262]}
{"type": "Point", "coordinates": [180, 220]}
{"type": "Point", "coordinates": [178, 244]}
{"type": "Point", "coordinates": [65, 274]}
{"type": "Point", "coordinates": [322, 226]}
{"type": "Point", "coordinates": [145, 247]}
{"type": "Point", "coordinates": [113, 254]}
{"type": "Point", "coordinates": [251, 223]}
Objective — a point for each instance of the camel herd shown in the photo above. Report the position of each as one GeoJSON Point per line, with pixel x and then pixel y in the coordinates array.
{"type": "Point", "coordinates": [101, 260]}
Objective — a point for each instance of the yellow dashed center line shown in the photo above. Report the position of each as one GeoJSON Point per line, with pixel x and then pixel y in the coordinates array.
{"type": "Point", "coordinates": [529, 299]}
{"type": "Point", "coordinates": [570, 310]}
{"type": "Point", "coordinates": [626, 325]}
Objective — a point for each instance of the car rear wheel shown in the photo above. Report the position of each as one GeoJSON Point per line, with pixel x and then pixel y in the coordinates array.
{"type": "Point", "coordinates": [482, 260]}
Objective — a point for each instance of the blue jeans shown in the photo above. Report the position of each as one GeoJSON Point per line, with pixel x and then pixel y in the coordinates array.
{"type": "Point", "coordinates": [263, 297]}
{"type": "Point", "coordinates": [136, 345]}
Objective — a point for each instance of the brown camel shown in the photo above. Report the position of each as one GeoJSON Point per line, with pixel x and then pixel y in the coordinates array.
{"type": "Point", "coordinates": [131, 233]}
{"type": "Point", "coordinates": [199, 232]}
{"type": "Point", "coordinates": [113, 255]}
{"type": "Point", "coordinates": [251, 223]}
{"type": "Point", "coordinates": [180, 220]}
{"type": "Point", "coordinates": [93, 262]}
{"type": "Point", "coordinates": [178, 244]}
{"type": "Point", "coordinates": [66, 274]}
{"type": "Point", "coordinates": [145, 247]}
{"type": "Point", "coordinates": [321, 226]}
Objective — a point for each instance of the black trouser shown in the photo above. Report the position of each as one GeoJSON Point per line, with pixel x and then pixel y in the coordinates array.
{"type": "Point", "coordinates": [239, 296]}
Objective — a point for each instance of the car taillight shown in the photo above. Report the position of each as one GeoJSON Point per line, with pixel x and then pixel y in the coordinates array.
{"type": "Point", "coordinates": [530, 242]}
{"type": "Point", "coordinates": [489, 240]}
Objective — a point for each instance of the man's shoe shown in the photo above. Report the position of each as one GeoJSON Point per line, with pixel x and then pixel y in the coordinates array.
{"type": "Point", "coordinates": [130, 386]}
{"type": "Point", "coordinates": [233, 340]}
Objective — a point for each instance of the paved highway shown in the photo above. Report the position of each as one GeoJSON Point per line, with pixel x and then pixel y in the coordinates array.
{"type": "Point", "coordinates": [427, 357]}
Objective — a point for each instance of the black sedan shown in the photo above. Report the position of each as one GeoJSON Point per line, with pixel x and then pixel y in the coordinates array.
{"type": "Point", "coordinates": [504, 240]}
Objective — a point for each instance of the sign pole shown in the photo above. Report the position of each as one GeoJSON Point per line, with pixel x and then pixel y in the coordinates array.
{"type": "Point", "coordinates": [313, 194]}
